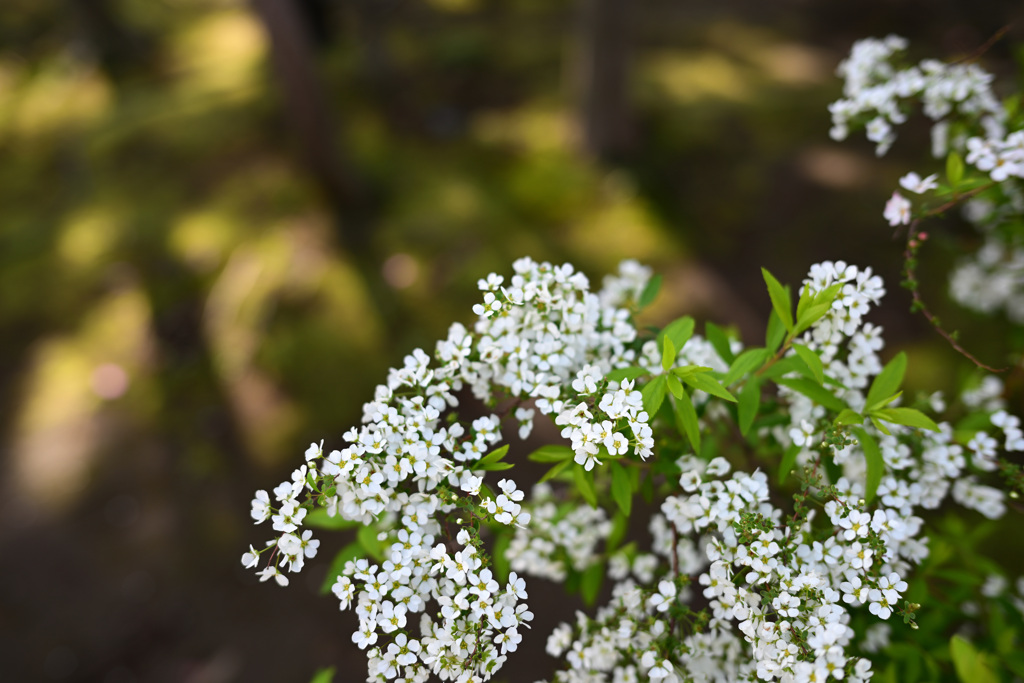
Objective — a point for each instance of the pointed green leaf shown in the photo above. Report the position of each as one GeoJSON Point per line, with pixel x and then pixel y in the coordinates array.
{"type": "Point", "coordinates": [625, 373]}
{"type": "Point", "coordinates": [653, 395]}
{"type": "Point", "coordinates": [888, 380]}
{"type": "Point", "coordinates": [812, 360]}
{"type": "Point", "coordinates": [968, 662]}
{"type": "Point", "coordinates": [879, 425]}
{"type": "Point", "coordinates": [622, 491]}
{"type": "Point", "coordinates": [710, 385]}
{"type": "Point", "coordinates": [318, 519]}
{"type": "Point", "coordinates": [805, 299]}
{"type": "Point", "coordinates": [590, 584]}
{"type": "Point", "coordinates": [585, 484]}
{"type": "Point", "coordinates": [499, 553]}
{"type": "Point", "coordinates": [673, 385]}
{"type": "Point", "coordinates": [650, 291]}
{"type": "Point", "coordinates": [747, 405]}
{"type": "Point", "coordinates": [323, 675]}
{"type": "Point", "coordinates": [719, 341]}
{"type": "Point", "coordinates": [494, 456]}
{"type": "Point", "coordinates": [875, 463]}
{"type": "Point", "coordinates": [746, 362]}
{"type": "Point", "coordinates": [494, 467]}
{"type": "Point", "coordinates": [551, 453]}
{"type": "Point", "coordinates": [367, 536]}
{"type": "Point", "coordinates": [881, 404]}
{"type": "Point", "coordinates": [668, 353]}
{"type": "Point", "coordinates": [849, 417]}
{"type": "Point", "coordinates": [679, 331]}
{"type": "Point", "coordinates": [954, 169]}
{"type": "Point", "coordinates": [815, 392]}
{"type": "Point", "coordinates": [775, 333]}
{"type": "Point", "coordinates": [686, 417]}
{"type": "Point", "coordinates": [829, 294]}
{"type": "Point", "coordinates": [555, 471]}
{"type": "Point", "coordinates": [907, 416]}
{"type": "Point", "coordinates": [812, 315]}
{"type": "Point", "coordinates": [780, 299]}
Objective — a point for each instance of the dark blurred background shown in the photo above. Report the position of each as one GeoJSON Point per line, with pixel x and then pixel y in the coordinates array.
{"type": "Point", "coordinates": [220, 222]}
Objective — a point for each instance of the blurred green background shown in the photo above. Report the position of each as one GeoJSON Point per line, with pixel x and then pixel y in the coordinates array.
{"type": "Point", "coordinates": [220, 223]}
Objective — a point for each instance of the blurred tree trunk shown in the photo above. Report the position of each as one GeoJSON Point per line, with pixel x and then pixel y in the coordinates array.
{"type": "Point", "coordinates": [310, 121]}
{"type": "Point", "coordinates": [601, 77]}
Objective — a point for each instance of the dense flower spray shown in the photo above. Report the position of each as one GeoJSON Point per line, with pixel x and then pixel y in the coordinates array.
{"type": "Point", "coordinates": [737, 582]}
{"type": "Point", "coordinates": [794, 483]}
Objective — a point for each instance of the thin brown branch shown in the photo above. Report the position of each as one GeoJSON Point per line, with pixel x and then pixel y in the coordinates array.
{"type": "Point", "coordinates": [986, 46]}
{"type": "Point", "coordinates": [914, 240]}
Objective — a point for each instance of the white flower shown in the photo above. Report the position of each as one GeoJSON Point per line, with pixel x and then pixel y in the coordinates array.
{"type": "Point", "coordinates": [917, 184]}
{"type": "Point", "coordinates": [897, 210]}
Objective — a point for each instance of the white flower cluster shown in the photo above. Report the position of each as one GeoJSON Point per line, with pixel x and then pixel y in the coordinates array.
{"type": "Point", "coordinates": [879, 93]}
{"type": "Point", "coordinates": [847, 345]}
{"type": "Point", "coordinates": [968, 119]}
{"type": "Point", "coordinates": [545, 337]}
{"type": "Point", "coordinates": [559, 537]}
{"type": "Point", "coordinates": [992, 278]}
{"type": "Point", "coordinates": [781, 591]}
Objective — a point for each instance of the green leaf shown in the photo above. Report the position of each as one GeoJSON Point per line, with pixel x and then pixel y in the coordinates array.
{"type": "Point", "coordinates": [492, 461]}
{"type": "Point", "coordinates": [788, 460]}
{"type": "Point", "coordinates": [744, 364]}
{"type": "Point", "coordinates": [590, 584]}
{"type": "Point", "coordinates": [349, 552]}
{"type": "Point", "coordinates": [815, 392]}
{"type": "Point", "coordinates": [323, 675]}
{"type": "Point", "coordinates": [888, 380]}
{"type": "Point", "coordinates": [668, 353]}
{"type": "Point", "coordinates": [318, 519]}
{"type": "Point", "coordinates": [625, 373]}
{"type": "Point", "coordinates": [709, 384]}
{"type": "Point", "coordinates": [804, 300]}
{"type": "Point", "coordinates": [881, 404]}
{"type": "Point", "coordinates": [499, 552]}
{"type": "Point", "coordinates": [906, 416]}
{"type": "Point", "coordinates": [719, 341]}
{"type": "Point", "coordinates": [748, 404]}
{"type": "Point", "coordinates": [686, 416]}
{"type": "Point", "coordinates": [650, 291]}
{"type": "Point", "coordinates": [954, 169]}
{"type": "Point", "coordinates": [875, 462]}
{"type": "Point", "coordinates": [810, 316]}
{"type": "Point", "coordinates": [774, 333]}
{"type": "Point", "coordinates": [673, 385]}
{"type": "Point", "coordinates": [968, 662]}
{"type": "Point", "coordinates": [585, 483]}
{"type": "Point", "coordinates": [622, 491]}
{"type": "Point", "coordinates": [367, 536]}
{"type": "Point", "coordinates": [551, 453]}
{"type": "Point", "coordinates": [879, 425]}
{"type": "Point", "coordinates": [653, 395]}
{"type": "Point", "coordinates": [780, 299]}
{"type": "Point", "coordinates": [679, 331]}
{"type": "Point", "coordinates": [555, 471]}
{"type": "Point", "coordinates": [849, 417]}
{"type": "Point", "coordinates": [812, 361]}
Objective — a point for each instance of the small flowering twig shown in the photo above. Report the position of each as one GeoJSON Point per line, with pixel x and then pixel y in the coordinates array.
{"type": "Point", "coordinates": [914, 241]}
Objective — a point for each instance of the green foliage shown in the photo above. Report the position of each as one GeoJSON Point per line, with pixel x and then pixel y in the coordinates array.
{"type": "Point", "coordinates": [323, 676]}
